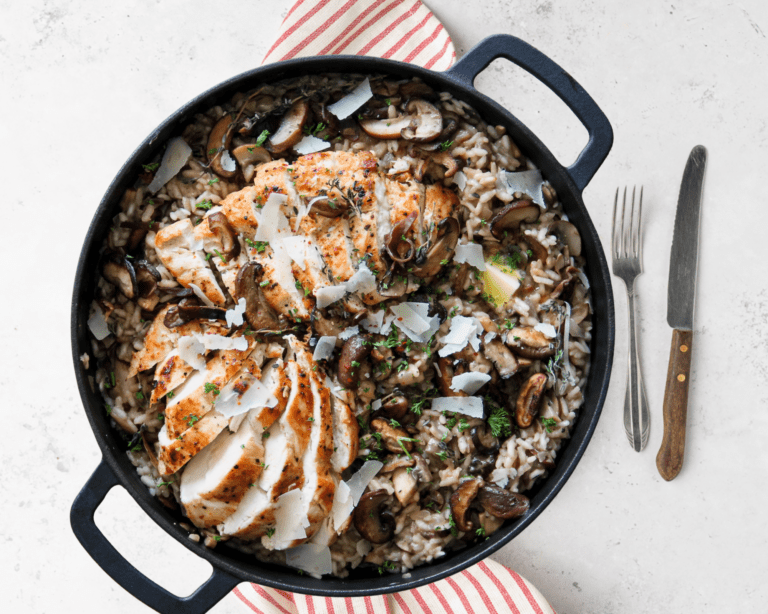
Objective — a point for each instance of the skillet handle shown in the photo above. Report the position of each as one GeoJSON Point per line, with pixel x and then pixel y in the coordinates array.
{"type": "Point", "coordinates": [555, 78]}
{"type": "Point", "coordinates": [121, 571]}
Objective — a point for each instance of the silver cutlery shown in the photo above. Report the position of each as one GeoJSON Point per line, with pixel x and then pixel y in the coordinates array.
{"type": "Point", "coordinates": [627, 250]}
{"type": "Point", "coordinates": [681, 299]}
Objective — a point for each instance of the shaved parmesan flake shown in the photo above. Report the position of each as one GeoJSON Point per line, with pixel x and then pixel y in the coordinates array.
{"type": "Point", "coordinates": [310, 144]}
{"type": "Point", "coordinates": [470, 406]}
{"type": "Point", "coordinates": [362, 281]}
{"type": "Point", "coordinates": [376, 404]}
{"type": "Point", "coordinates": [243, 394]}
{"type": "Point", "coordinates": [97, 324]}
{"type": "Point", "coordinates": [348, 332]}
{"type": "Point", "coordinates": [471, 253]}
{"type": "Point", "coordinates": [324, 348]}
{"type": "Point", "coordinates": [546, 329]}
{"type": "Point", "coordinates": [297, 249]}
{"type": "Point", "coordinates": [227, 162]}
{"type": "Point", "coordinates": [191, 352]}
{"type": "Point", "coordinates": [290, 520]}
{"type": "Point", "coordinates": [272, 223]}
{"type": "Point", "coordinates": [352, 101]}
{"type": "Point", "coordinates": [526, 182]}
{"type": "Point", "coordinates": [410, 318]}
{"type": "Point", "coordinates": [387, 326]}
{"type": "Point", "coordinates": [469, 382]}
{"type": "Point", "coordinates": [312, 558]}
{"type": "Point", "coordinates": [234, 316]}
{"type": "Point", "coordinates": [328, 295]}
{"type": "Point", "coordinates": [463, 331]}
{"type": "Point", "coordinates": [201, 295]}
{"type": "Point", "coordinates": [500, 477]}
{"type": "Point", "coordinates": [175, 157]}
{"type": "Point", "coordinates": [220, 342]}
{"type": "Point", "coordinates": [460, 179]}
{"type": "Point", "coordinates": [490, 337]}
{"type": "Point", "coordinates": [373, 322]}
{"type": "Point", "coordinates": [348, 493]}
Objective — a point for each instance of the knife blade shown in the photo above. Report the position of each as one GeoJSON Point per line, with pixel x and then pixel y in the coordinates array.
{"type": "Point", "coordinates": [681, 302]}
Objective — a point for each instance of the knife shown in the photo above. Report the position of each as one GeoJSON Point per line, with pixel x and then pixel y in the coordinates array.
{"type": "Point", "coordinates": [681, 297]}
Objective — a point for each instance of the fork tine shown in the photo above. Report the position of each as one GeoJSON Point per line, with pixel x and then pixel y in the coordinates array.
{"type": "Point", "coordinates": [637, 247]}
{"type": "Point", "coordinates": [623, 243]}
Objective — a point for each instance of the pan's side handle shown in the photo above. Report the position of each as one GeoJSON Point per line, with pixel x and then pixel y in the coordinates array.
{"type": "Point", "coordinates": [121, 571]}
{"type": "Point", "coordinates": [555, 78]}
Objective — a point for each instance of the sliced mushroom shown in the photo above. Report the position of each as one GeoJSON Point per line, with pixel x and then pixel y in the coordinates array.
{"type": "Point", "coordinates": [501, 503]}
{"type": "Point", "coordinates": [460, 280]}
{"type": "Point", "coordinates": [431, 258]}
{"type": "Point", "coordinates": [564, 289]}
{"type": "Point", "coordinates": [405, 485]}
{"type": "Point", "coordinates": [118, 270]}
{"type": "Point", "coordinates": [421, 471]}
{"type": "Point", "coordinates": [354, 351]}
{"type": "Point", "coordinates": [147, 279]}
{"type": "Point", "coordinates": [139, 230]}
{"type": "Point", "coordinates": [427, 122]}
{"type": "Point", "coordinates": [184, 313]}
{"type": "Point", "coordinates": [445, 378]}
{"type": "Point", "coordinates": [330, 123]}
{"type": "Point", "coordinates": [399, 248]}
{"type": "Point", "coordinates": [529, 400]}
{"type": "Point", "coordinates": [422, 123]}
{"type": "Point", "coordinates": [537, 249]}
{"type": "Point", "coordinates": [291, 128]}
{"type": "Point", "coordinates": [450, 163]}
{"type": "Point", "coordinates": [530, 343]}
{"type": "Point", "coordinates": [461, 499]}
{"type": "Point", "coordinates": [396, 462]}
{"type": "Point", "coordinates": [482, 443]}
{"type": "Point", "coordinates": [394, 438]}
{"type": "Point", "coordinates": [219, 225]}
{"type": "Point", "coordinates": [512, 215]}
{"type": "Point", "coordinates": [502, 358]}
{"type": "Point", "coordinates": [371, 522]}
{"type": "Point", "coordinates": [327, 207]}
{"type": "Point", "coordinates": [148, 447]}
{"type": "Point", "coordinates": [249, 157]}
{"type": "Point", "coordinates": [567, 234]}
{"type": "Point", "coordinates": [218, 148]}
{"type": "Point", "coordinates": [395, 407]}
{"type": "Point", "coordinates": [417, 89]}
{"type": "Point", "coordinates": [481, 466]}
{"type": "Point", "coordinates": [258, 313]}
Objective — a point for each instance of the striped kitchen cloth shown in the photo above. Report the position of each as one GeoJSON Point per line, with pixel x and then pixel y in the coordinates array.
{"type": "Point", "coordinates": [483, 588]}
{"type": "Point", "coordinates": [407, 31]}
{"type": "Point", "coordinates": [403, 30]}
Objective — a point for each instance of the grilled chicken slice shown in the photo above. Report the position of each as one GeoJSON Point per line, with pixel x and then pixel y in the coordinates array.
{"type": "Point", "coordinates": [170, 373]}
{"type": "Point", "coordinates": [177, 452]}
{"type": "Point", "coordinates": [346, 432]}
{"type": "Point", "coordinates": [216, 480]}
{"type": "Point", "coordinates": [196, 396]}
{"type": "Point", "coordinates": [280, 291]}
{"type": "Point", "coordinates": [406, 199]}
{"type": "Point", "coordinates": [213, 245]}
{"type": "Point", "coordinates": [283, 450]}
{"type": "Point", "coordinates": [319, 486]}
{"type": "Point", "coordinates": [439, 203]}
{"type": "Point", "coordinates": [182, 255]}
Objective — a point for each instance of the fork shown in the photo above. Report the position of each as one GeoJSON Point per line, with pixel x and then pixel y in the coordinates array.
{"type": "Point", "coordinates": [627, 249]}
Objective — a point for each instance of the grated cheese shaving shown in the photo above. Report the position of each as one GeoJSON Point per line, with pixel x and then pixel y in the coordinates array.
{"type": "Point", "coordinates": [348, 332]}
{"type": "Point", "coordinates": [471, 253]}
{"type": "Point", "coordinates": [201, 295]}
{"type": "Point", "coordinates": [243, 394]}
{"type": "Point", "coordinates": [469, 382]}
{"type": "Point", "coordinates": [220, 342]}
{"type": "Point", "coordinates": [297, 249]}
{"type": "Point", "coordinates": [191, 352]}
{"type": "Point", "coordinates": [362, 281]}
{"type": "Point", "coordinates": [97, 323]}
{"type": "Point", "coordinates": [526, 182]}
{"type": "Point", "coordinates": [328, 295]}
{"type": "Point", "coordinates": [463, 331]}
{"type": "Point", "coordinates": [546, 329]}
{"type": "Point", "coordinates": [324, 348]}
{"type": "Point", "coordinates": [234, 316]}
{"type": "Point", "coordinates": [410, 318]}
{"type": "Point", "coordinates": [175, 157]}
{"type": "Point", "coordinates": [312, 558]}
{"type": "Point", "coordinates": [310, 144]}
{"type": "Point", "coordinates": [272, 222]}
{"type": "Point", "coordinates": [227, 161]}
{"type": "Point", "coordinates": [470, 406]}
{"type": "Point", "coordinates": [352, 101]}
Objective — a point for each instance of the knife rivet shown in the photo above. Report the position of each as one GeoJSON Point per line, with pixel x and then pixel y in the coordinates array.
{"type": "Point", "coordinates": [683, 348]}
{"type": "Point", "coordinates": [681, 378]}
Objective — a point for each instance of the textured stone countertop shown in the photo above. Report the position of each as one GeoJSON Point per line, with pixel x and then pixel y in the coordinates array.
{"type": "Point", "coordinates": [83, 82]}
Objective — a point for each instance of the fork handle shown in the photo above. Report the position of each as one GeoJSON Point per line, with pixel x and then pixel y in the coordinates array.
{"type": "Point", "coordinates": [636, 415]}
{"type": "Point", "coordinates": [669, 460]}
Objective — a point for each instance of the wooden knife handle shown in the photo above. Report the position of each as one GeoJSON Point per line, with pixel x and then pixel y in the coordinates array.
{"type": "Point", "coordinates": [669, 460]}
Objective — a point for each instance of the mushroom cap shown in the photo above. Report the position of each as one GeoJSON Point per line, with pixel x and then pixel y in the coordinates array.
{"type": "Point", "coordinates": [394, 438]}
{"type": "Point", "coordinates": [530, 343]}
{"type": "Point", "coordinates": [353, 352]}
{"type": "Point", "coordinates": [567, 234]}
{"type": "Point", "coordinates": [219, 225]}
{"type": "Point", "coordinates": [183, 313]}
{"type": "Point", "coordinates": [399, 248]}
{"type": "Point", "coordinates": [258, 313]}
{"type": "Point", "coordinates": [501, 503]}
{"type": "Point", "coordinates": [290, 131]}
{"type": "Point", "coordinates": [429, 258]}
{"type": "Point", "coordinates": [460, 501]}
{"type": "Point", "coordinates": [219, 141]}
{"type": "Point", "coordinates": [426, 121]}
{"type": "Point", "coordinates": [249, 157]}
{"type": "Point", "coordinates": [512, 215]}
{"type": "Point", "coordinates": [118, 270]}
{"type": "Point", "coordinates": [529, 400]}
{"type": "Point", "coordinates": [385, 128]}
{"type": "Point", "coordinates": [371, 522]}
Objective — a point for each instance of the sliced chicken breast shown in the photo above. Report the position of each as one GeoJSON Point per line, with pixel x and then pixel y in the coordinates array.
{"type": "Point", "coordinates": [170, 373]}
{"type": "Point", "coordinates": [182, 255]}
{"type": "Point", "coordinates": [177, 452]}
{"type": "Point", "coordinates": [345, 434]}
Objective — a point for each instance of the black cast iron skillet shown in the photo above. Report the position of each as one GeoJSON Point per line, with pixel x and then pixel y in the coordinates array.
{"type": "Point", "coordinates": [229, 566]}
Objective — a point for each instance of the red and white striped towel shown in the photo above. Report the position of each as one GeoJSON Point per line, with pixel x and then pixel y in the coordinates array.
{"type": "Point", "coordinates": [485, 587]}
{"type": "Point", "coordinates": [402, 30]}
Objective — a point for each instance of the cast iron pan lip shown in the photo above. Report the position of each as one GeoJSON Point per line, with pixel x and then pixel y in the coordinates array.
{"type": "Point", "coordinates": [237, 564]}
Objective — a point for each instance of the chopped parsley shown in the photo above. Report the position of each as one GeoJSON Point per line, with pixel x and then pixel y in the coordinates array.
{"type": "Point", "coordinates": [265, 435]}
{"type": "Point", "coordinates": [170, 395]}
{"type": "Point", "coordinates": [270, 532]}
{"type": "Point", "coordinates": [549, 424]}
{"type": "Point", "coordinates": [480, 532]}
{"type": "Point", "coordinates": [387, 566]}
{"type": "Point", "coordinates": [443, 456]}
{"type": "Point", "coordinates": [165, 483]}
{"type": "Point", "coordinates": [355, 363]}
{"type": "Point", "coordinates": [191, 420]}
{"type": "Point", "coordinates": [209, 387]}
{"type": "Point", "coordinates": [151, 167]}
{"type": "Point", "coordinates": [499, 421]}
{"type": "Point", "coordinates": [214, 180]}
{"type": "Point", "coordinates": [445, 145]}
{"type": "Point", "coordinates": [221, 256]}
{"type": "Point", "coordinates": [262, 137]}
{"type": "Point", "coordinates": [206, 204]}
{"type": "Point", "coordinates": [213, 151]}
{"type": "Point", "coordinates": [140, 395]}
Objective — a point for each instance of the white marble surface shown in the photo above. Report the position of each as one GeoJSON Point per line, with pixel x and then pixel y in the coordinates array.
{"type": "Point", "coordinates": [84, 81]}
